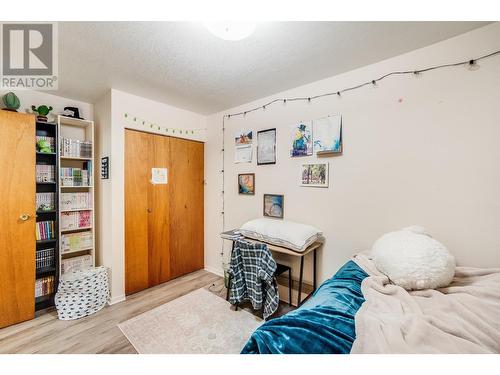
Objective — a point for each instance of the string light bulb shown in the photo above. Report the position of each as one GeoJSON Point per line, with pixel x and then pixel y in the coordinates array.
{"type": "Point", "coordinates": [472, 65]}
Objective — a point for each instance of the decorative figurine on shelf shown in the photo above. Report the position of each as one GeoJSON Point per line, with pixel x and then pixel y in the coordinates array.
{"type": "Point", "coordinates": [43, 146]}
{"type": "Point", "coordinates": [11, 102]}
{"type": "Point", "coordinates": [72, 112]}
{"type": "Point", "coordinates": [42, 111]}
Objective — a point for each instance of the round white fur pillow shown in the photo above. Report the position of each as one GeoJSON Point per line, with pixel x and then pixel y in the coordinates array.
{"type": "Point", "coordinates": [414, 260]}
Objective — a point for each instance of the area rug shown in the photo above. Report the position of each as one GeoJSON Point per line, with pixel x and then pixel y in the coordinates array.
{"type": "Point", "coordinates": [196, 323]}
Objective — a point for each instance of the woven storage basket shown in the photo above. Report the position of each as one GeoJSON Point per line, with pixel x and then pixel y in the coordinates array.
{"type": "Point", "coordinates": [82, 293]}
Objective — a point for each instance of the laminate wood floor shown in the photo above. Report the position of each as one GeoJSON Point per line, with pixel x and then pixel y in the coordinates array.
{"type": "Point", "coordinates": [99, 333]}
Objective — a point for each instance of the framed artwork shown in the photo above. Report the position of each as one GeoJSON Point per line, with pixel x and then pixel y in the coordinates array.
{"type": "Point", "coordinates": [246, 183]}
{"type": "Point", "coordinates": [328, 135]}
{"type": "Point", "coordinates": [266, 147]}
{"type": "Point", "coordinates": [301, 139]}
{"type": "Point", "coordinates": [274, 205]}
{"type": "Point", "coordinates": [314, 175]}
{"type": "Point", "coordinates": [243, 137]}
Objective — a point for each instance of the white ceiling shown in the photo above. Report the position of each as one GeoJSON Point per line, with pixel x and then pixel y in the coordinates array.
{"type": "Point", "coordinates": [182, 64]}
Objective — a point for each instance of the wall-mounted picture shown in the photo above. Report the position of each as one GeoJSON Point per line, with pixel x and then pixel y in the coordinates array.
{"type": "Point", "coordinates": [246, 183]}
{"type": "Point", "coordinates": [302, 139]}
{"type": "Point", "coordinates": [328, 135]}
{"type": "Point", "coordinates": [266, 147]}
{"type": "Point", "coordinates": [273, 205]}
{"type": "Point", "coordinates": [314, 175]}
{"type": "Point", "coordinates": [243, 137]}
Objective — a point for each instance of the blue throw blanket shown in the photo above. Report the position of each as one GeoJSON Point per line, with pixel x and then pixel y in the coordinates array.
{"type": "Point", "coordinates": [323, 324]}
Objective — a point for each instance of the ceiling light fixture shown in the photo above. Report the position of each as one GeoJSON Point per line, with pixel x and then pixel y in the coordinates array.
{"type": "Point", "coordinates": [231, 30]}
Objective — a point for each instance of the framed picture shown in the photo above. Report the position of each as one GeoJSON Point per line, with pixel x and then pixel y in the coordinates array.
{"type": "Point", "coordinates": [328, 135]}
{"type": "Point", "coordinates": [314, 175]}
{"type": "Point", "coordinates": [301, 139]}
{"type": "Point", "coordinates": [274, 205]}
{"type": "Point", "coordinates": [246, 183]}
{"type": "Point", "coordinates": [266, 147]}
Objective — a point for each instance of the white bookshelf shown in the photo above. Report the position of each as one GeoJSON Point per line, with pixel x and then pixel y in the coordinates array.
{"type": "Point", "coordinates": [80, 130]}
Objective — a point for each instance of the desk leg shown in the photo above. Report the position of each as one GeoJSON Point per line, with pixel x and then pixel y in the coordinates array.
{"type": "Point", "coordinates": [314, 270]}
{"type": "Point", "coordinates": [300, 280]}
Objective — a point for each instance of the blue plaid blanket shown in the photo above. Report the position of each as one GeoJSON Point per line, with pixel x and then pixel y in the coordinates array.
{"type": "Point", "coordinates": [323, 324]}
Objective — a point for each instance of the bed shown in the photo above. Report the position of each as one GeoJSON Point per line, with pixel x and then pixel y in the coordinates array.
{"type": "Point", "coordinates": [359, 310]}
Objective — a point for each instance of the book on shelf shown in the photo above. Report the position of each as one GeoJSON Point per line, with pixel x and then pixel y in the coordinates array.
{"type": "Point", "coordinates": [75, 148]}
{"type": "Point", "coordinates": [75, 201]}
{"type": "Point", "coordinates": [45, 173]}
{"type": "Point", "coordinates": [71, 242]}
{"type": "Point", "coordinates": [76, 176]}
{"type": "Point", "coordinates": [45, 258]}
{"type": "Point", "coordinates": [45, 230]}
{"type": "Point", "coordinates": [75, 220]}
{"type": "Point", "coordinates": [45, 144]}
{"type": "Point", "coordinates": [44, 286]}
{"type": "Point", "coordinates": [80, 263]}
{"type": "Point", "coordinates": [45, 201]}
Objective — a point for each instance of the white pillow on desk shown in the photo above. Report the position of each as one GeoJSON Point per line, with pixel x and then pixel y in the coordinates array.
{"type": "Point", "coordinates": [294, 236]}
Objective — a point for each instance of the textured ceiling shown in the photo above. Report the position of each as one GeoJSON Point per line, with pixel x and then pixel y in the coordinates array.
{"type": "Point", "coordinates": [182, 64]}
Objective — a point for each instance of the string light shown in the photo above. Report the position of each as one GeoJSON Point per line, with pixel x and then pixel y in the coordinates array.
{"type": "Point", "coordinates": [160, 128]}
{"type": "Point", "coordinates": [469, 64]}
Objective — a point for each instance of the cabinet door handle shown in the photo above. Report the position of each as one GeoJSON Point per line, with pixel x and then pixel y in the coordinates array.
{"type": "Point", "coordinates": [24, 217]}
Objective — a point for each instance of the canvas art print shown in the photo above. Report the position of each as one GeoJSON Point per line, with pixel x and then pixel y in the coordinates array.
{"type": "Point", "coordinates": [328, 135]}
{"type": "Point", "coordinates": [314, 175]}
{"type": "Point", "coordinates": [266, 147]}
{"type": "Point", "coordinates": [273, 205]}
{"type": "Point", "coordinates": [246, 183]}
{"type": "Point", "coordinates": [302, 140]}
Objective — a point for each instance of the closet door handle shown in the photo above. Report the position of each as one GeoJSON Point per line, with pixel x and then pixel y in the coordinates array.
{"type": "Point", "coordinates": [150, 210]}
{"type": "Point", "coordinates": [24, 217]}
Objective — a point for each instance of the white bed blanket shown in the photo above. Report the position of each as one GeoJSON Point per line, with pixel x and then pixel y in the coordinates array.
{"type": "Point", "coordinates": [461, 318]}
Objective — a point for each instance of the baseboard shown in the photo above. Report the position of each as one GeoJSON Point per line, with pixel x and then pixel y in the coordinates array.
{"type": "Point", "coordinates": [217, 271]}
{"type": "Point", "coordinates": [116, 299]}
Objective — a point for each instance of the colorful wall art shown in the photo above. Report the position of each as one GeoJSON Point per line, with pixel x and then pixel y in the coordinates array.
{"type": "Point", "coordinates": [328, 135]}
{"type": "Point", "coordinates": [243, 137]}
{"type": "Point", "coordinates": [243, 146]}
{"type": "Point", "coordinates": [266, 147]}
{"type": "Point", "coordinates": [246, 183]}
{"type": "Point", "coordinates": [274, 205]}
{"type": "Point", "coordinates": [302, 139]}
{"type": "Point", "coordinates": [314, 175]}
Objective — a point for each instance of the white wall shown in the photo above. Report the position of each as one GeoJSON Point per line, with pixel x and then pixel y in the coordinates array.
{"type": "Point", "coordinates": [36, 98]}
{"type": "Point", "coordinates": [112, 139]}
{"type": "Point", "coordinates": [416, 151]}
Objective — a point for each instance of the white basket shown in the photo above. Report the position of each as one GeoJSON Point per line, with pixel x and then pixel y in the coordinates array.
{"type": "Point", "coordinates": [82, 293]}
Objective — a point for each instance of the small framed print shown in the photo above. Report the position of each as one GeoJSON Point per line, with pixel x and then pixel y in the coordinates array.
{"type": "Point", "coordinates": [314, 175]}
{"type": "Point", "coordinates": [246, 183]}
{"type": "Point", "coordinates": [274, 205]}
{"type": "Point", "coordinates": [266, 147]}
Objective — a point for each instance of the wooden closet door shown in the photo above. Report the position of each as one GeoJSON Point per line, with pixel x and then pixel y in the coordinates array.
{"type": "Point", "coordinates": [158, 217]}
{"type": "Point", "coordinates": [17, 219]}
{"type": "Point", "coordinates": [186, 206]}
{"type": "Point", "coordinates": [137, 174]}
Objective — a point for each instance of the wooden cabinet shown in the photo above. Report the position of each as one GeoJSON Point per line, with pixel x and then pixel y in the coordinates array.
{"type": "Point", "coordinates": [17, 218]}
{"type": "Point", "coordinates": [163, 222]}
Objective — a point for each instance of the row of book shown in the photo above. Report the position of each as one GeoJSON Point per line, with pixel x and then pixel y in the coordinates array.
{"type": "Point", "coordinates": [45, 201]}
{"type": "Point", "coordinates": [75, 220]}
{"type": "Point", "coordinates": [44, 286]}
{"type": "Point", "coordinates": [44, 258]}
{"type": "Point", "coordinates": [45, 173]}
{"type": "Point", "coordinates": [75, 201]}
{"type": "Point", "coordinates": [75, 148]}
{"type": "Point", "coordinates": [45, 144]}
{"type": "Point", "coordinates": [74, 176]}
{"type": "Point", "coordinates": [45, 230]}
{"type": "Point", "coordinates": [80, 263]}
{"type": "Point", "coordinates": [72, 242]}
